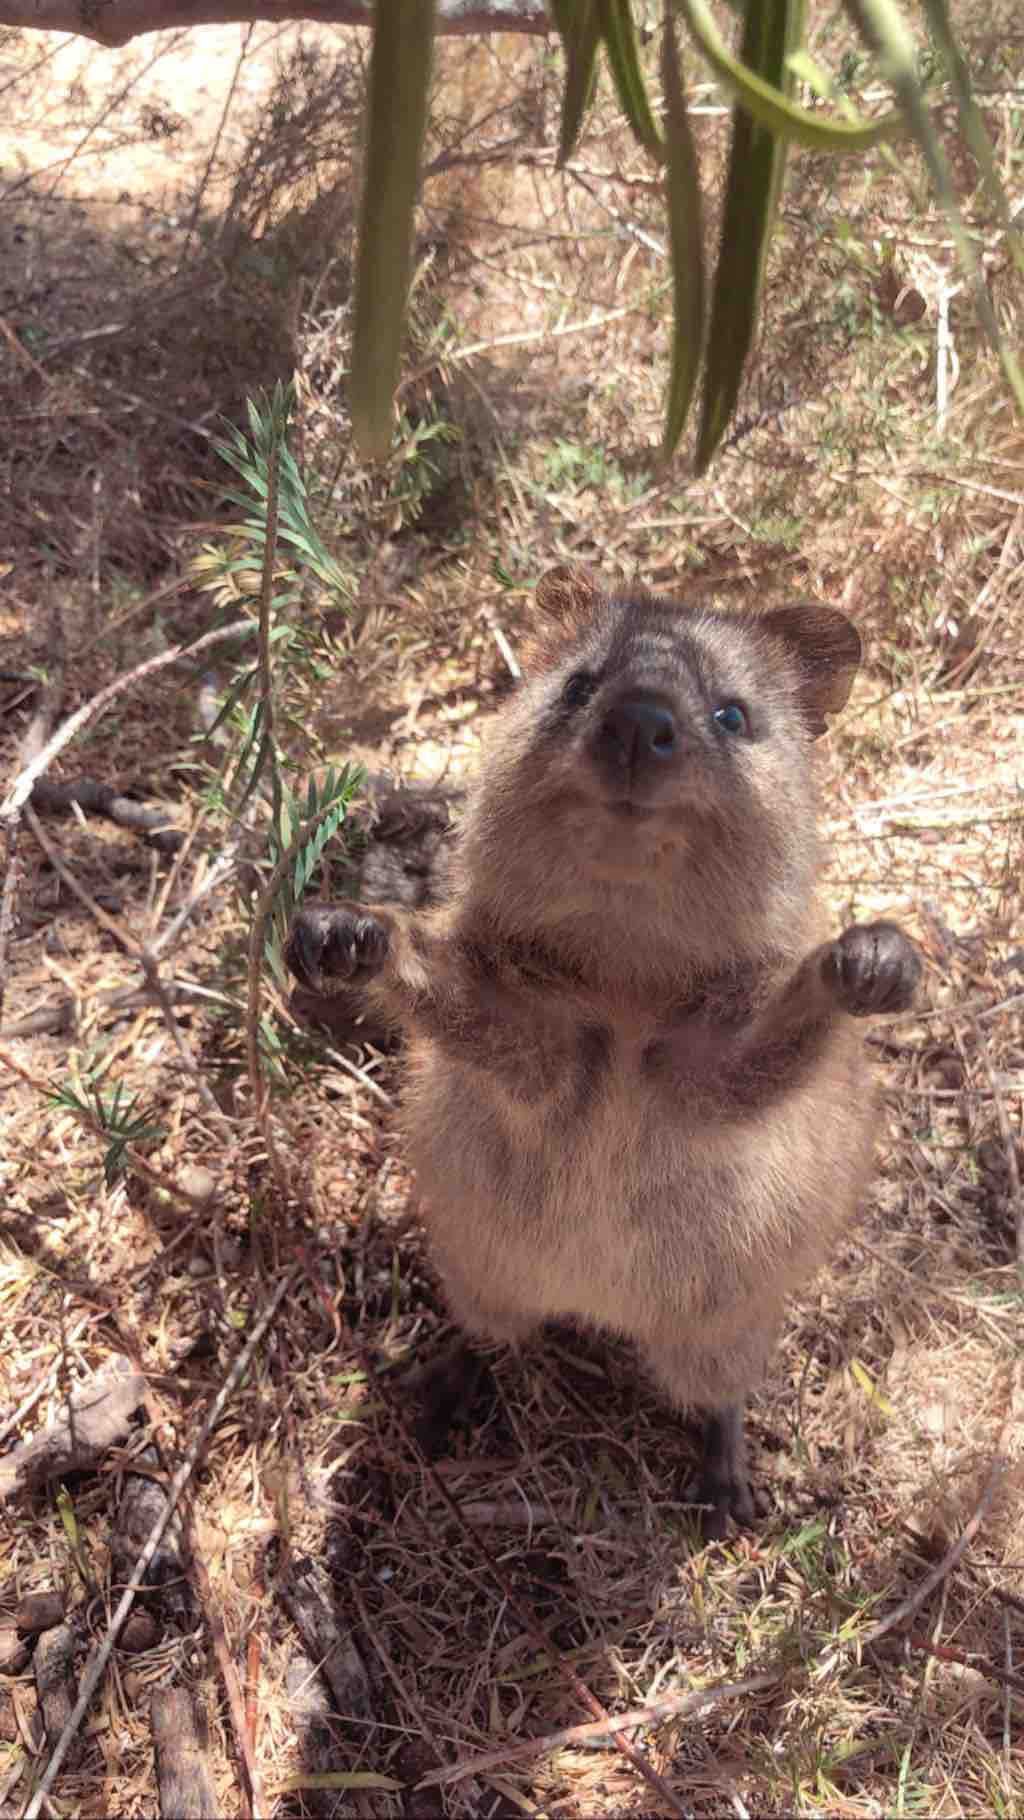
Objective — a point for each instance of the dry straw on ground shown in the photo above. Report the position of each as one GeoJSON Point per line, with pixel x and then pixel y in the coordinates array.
{"type": "Point", "coordinates": [867, 1645]}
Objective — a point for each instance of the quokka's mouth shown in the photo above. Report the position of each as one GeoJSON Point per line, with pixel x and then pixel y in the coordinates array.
{"type": "Point", "coordinates": [632, 808]}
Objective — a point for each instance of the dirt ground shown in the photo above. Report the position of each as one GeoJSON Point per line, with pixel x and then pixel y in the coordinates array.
{"type": "Point", "coordinates": [175, 232]}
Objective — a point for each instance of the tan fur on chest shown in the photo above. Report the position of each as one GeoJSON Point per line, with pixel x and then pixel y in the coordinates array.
{"type": "Point", "coordinates": [584, 1184]}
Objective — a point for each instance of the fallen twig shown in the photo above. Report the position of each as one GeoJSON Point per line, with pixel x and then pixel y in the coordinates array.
{"type": "Point", "coordinates": [95, 1416]}
{"type": "Point", "coordinates": [53, 1664]}
{"type": "Point", "coordinates": [908, 1606]}
{"type": "Point", "coordinates": [102, 799]}
{"type": "Point", "coordinates": [24, 784]}
{"type": "Point", "coordinates": [944, 1653]}
{"type": "Point", "coordinates": [1009, 1146]}
{"type": "Point", "coordinates": [39, 731]}
{"type": "Point", "coordinates": [184, 1781]}
{"type": "Point", "coordinates": [306, 1594]}
{"type": "Point", "coordinates": [253, 1795]}
{"type": "Point", "coordinates": [656, 1712]}
{"type": "Point", "coordinates": [98, 1661]}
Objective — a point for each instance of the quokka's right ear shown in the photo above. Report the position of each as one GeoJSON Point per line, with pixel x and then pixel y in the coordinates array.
{"type": "Point", "coordinates": [568, 594]}
{"type": "Point", "coordinates": [566, 598]}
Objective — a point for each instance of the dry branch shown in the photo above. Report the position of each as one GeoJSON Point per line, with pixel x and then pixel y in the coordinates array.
{"type": "Point", "coordinates": [183, 1772]}
{"type": "Point", "coordinates": [93, 1418]}
{"type": "Point", "coordinates": [143, 1496]}
{"type": "Point", "coordinates": [24, 784]}
{"type": "Point", "coordinates": [914, 1601]}
{"type": "Point", "coordinates": [39, 732]}
{"type": "Point", "coordinates": [59, 1019]}
{"type": "Point", "coordinates": [100, 1657]}
{"type": "Point", "coordinates": [306, 1594]}
{"type": "Point", "coordinates": [121, 20]}
{"type": "Point", "coordinates": [656, 1712]}
{"type": "Point", "coordinates": [55, 1683]}
{"type": "Point", "coordinates": [102, 799]}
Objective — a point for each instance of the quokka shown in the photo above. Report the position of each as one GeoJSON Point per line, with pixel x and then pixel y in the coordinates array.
{"type": "Point", "coordinates": [636, 1097]}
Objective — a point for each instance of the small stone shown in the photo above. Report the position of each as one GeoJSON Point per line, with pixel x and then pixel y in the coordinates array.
{"type": "Point", "coordinates": [14, 1651]}
{"type": "Point", "coordinates": [39, 1611]}
{"type": "Point", "coordinates": [197, 1181]}
{"type": "Point", "coordinates": [140, 1631]}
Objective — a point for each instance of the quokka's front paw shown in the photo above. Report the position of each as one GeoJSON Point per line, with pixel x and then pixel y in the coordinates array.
{"type": "Point", "coordinates": [873, 968]}
{"type": "Point", "coordinates": [333, 944]}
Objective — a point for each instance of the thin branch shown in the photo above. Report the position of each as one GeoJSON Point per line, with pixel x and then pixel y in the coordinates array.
{"type": "Point", "coordinates": [257, 937]}
{"type": "Point", "coordinates": [194, 1202]}
{"type": "Point", "coordinates": [119, 21]}
{"type": "Point", "coordinates": [97, 1664]}
{"type": "Point", "coordinates": [1009, 1146]}
{"type": "Point", "coordinates": [908, 1606]}
{"type": "Point", "coordinates": [39, 732]}
{"type": "Point", "coordinates": [943, 1652]}
{"type": "Point", "coordinates": [656, 1712]}
{"type": "Point", "coordinates": [23, 785]}
{"type": "Point", "coordinates": [144, 958]}
{"type": "Point", "coordinates": [256, 1803]}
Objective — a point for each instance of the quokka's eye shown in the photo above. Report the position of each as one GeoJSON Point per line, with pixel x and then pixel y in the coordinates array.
{"type": "Point", "coordinates": [578, 689]}
{"type": "Point", "coordinates": [731, 718]}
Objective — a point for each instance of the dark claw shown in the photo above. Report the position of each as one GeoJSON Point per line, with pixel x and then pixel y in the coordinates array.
{"type": "Point", "coordinates": [334, 942]}
{"type": "Point", "coordinates": [874, 969]}
{"type": "Point", "coordinates": [723, 1483]}
{"type": "Point", "coordinates": [445, 1390]}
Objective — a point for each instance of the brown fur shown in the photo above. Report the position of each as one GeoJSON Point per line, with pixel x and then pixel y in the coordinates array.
{"type": "Point", "coordinates": [634, 1097]}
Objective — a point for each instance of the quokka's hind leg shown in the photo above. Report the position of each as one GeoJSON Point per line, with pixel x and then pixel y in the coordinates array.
{"type": "Point", "coordinates": [722, 1481]}
{"type": "Point", "coordinates": [447, 1386]}
{"type": "Point", "coordinates": [445, 1389]}
{"type": "Point", "coordinates": [693, 1378]}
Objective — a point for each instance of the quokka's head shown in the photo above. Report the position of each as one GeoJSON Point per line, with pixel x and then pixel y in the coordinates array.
{"type": "Point", "coordinates": [652, 737]}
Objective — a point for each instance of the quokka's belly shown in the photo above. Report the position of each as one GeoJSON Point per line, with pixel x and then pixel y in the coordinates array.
{"type": "Point", "coordinates": [627, 1217]}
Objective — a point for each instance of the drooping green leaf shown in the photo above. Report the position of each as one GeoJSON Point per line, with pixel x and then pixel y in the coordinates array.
{"type": "Point", "coordinates": [766, 98]}
{"type": "Point", "coordinates": [975, 130]}
{"type": "Point", "coordinates": [770, 32]}
{"type": "Point", "coordinates": [400, 63]}
{"type": "Point", "coordinates": [619, 36]}
{"type": "Point", "coordinates": [686, 243]}
{"type": "Point", "coordinates": [580, 31]}
{"type": "Point", "coordinates": [883, 26]}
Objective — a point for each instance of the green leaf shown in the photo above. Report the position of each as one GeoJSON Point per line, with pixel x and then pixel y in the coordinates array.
{"type": "Point", "coordinates": [975, 131]}
{"type": "Point", "coordinates": [883, 26]}
{"type": "Point", "coordinates": [234, 695]}
{"type": "Point", "coordinates": [616, 20]}
{"type": "Point", "coordinates": [580, 30]}
{"type": "Point", "coordinates": [862, 1377]}
{"type": "Point", "coordinates": [751, 194]}
{"type": "Point", "coordinates": [399, 82]}
{"type": "Point", "coordinates": [686, 243]}
{"type": "Point", "coordinates": [764, 96]}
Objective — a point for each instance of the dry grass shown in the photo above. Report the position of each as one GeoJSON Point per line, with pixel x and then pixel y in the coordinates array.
{"type": "Point", "coordinates": [898, 1379]}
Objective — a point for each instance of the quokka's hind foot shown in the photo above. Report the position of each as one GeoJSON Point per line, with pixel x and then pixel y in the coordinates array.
{"type": "Point", "coordinates": [723, 1482]}
{"type": "Point", "coordinates": [445, 1390]}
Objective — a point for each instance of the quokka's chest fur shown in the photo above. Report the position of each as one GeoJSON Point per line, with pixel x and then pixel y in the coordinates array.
{"type": "Point", "coordinates": [610, 1195]}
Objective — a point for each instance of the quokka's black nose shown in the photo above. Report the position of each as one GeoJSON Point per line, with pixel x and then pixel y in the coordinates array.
{"type": "Point", "coordinates": [639, 727]}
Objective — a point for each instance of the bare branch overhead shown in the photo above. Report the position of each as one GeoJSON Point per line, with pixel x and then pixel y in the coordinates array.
{"type": "Point", "coordinates": [118, 21]}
